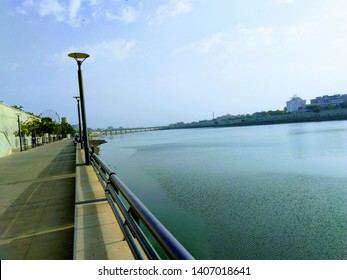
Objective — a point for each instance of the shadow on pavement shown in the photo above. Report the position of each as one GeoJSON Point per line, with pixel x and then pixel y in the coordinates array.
{"type": "Point", "coordinates": [39, 224]}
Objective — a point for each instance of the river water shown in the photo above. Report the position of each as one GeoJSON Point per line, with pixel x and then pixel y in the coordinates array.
{"type": "Point", "coordinates": [257, 192]}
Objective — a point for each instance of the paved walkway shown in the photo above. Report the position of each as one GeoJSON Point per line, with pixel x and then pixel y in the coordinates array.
{"type": "Point", "coordinates": [97, 232]}
{"type": "Point", "coordinates": [52, 206]}
{"type": "Point", "coordinates": [37, 200]}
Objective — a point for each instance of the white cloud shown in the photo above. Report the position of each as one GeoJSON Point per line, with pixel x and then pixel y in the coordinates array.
{"type": "Point", "coordinates": [338, 17]}
{"type": "Point", "coordinates": [115, 49]}
{"type": "Point", "coordinates": [74, 7]}
{"type": "Point", "coordinates": [52, 7]}
{"type": "Point", "coordinates": [209, 44]}
{"type": "Point", "coordinates": [43, 8]}
{"type": "Point", "coordinates": [127, 15]}
{"type": "Point", "coordinates": [94, 2]}
{"type": "Point", "coordinates": [111, 16]}
{"type": "Point", "coordinates": [337, 14]}
{"type": "Point", "coordinates": [174, 8]}
{"type": "Point", "coordinates": [254, 37]}
{"type": "Point", "coordinates": [69, 11]}
{"type": "Point", "coordinates": [300, 32]}
{"type": "Point", "coordinates": [227, 43]}
{"type": "Point", "coordinates": [25, 6]}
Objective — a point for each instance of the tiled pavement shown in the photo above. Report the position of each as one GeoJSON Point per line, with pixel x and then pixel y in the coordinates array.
{"type": "Point", "coordinates": [47, 208]}
{"type": "Point", "coordinates": [37, 190]}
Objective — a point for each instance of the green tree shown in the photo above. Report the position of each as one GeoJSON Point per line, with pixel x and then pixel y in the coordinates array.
{"type": "Point", "coordinates": [20, 108]}
{"type": "Point", "coordinates": [316, 109]}
{"type": "Point", "coordinates": [38, 127]}
{"type": "Point", "coordinates": [32, 127]}
{"type": "Point", "coordinates": [48, 126]}
{"type": "Point", "coordinates": [66, 128]}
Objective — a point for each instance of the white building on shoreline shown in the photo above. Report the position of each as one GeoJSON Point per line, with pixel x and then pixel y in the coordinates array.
{"type": "Point", "coordinates": [296, 104]}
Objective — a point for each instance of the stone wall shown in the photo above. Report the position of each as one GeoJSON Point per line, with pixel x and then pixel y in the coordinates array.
{"type": "Point", "coordinates": [8, 125]}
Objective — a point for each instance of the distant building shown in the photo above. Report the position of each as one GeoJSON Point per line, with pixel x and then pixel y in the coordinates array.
{"type": "Point", "coordinates": [296, 104]}
{"type": "Point", "coordinates": [327, 100]}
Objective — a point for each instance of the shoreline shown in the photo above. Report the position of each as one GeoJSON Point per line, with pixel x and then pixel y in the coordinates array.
{"type": "Point", "coordinates": [95, 143]}
{"type": "Point", "coordinates": [333, 115]}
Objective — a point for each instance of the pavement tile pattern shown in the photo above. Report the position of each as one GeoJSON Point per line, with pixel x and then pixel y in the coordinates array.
{"type": "Point", "coordinates": [37, 200]}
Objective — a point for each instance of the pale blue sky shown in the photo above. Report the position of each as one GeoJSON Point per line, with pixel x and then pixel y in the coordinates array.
{"type": "Point", "coordinates": [164, 61]}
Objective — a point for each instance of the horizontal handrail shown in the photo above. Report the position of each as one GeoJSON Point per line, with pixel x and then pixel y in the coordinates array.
{"type": "Point", "coordinates": [131, 213]}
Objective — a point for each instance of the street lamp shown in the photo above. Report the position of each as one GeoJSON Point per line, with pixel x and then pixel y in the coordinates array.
{"type": "Point", "coordinates": [80, 57]}
{"type": "Point", "coordinates": [20, 134]}
{"type": "Point", "coordinates": [79, 118]}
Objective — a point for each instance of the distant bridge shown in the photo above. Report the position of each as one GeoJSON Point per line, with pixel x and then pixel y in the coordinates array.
{"type": "Point", "coordinates": [122, 130]}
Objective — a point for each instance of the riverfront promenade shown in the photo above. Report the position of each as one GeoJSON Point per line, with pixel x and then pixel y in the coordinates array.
{"type": "Point", "coordinates": [52, 207]}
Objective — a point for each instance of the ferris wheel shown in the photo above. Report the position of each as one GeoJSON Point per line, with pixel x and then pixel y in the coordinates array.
{"type": "Point", "coordinates": [53, 115]}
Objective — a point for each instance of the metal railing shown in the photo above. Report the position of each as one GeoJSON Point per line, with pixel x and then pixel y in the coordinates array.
{"type": "Point", "coordinates": [134, 218]}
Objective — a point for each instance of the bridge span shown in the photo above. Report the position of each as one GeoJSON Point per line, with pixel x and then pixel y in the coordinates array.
{"type": "Point", "coordinates": [122, 130]}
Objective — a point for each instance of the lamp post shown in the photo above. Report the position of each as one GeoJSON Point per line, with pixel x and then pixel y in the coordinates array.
{"type": "Point", "coordinates": [79, 118]}
{"type": "Point", "coordinates": [20, 134]}
{"type": "Point", "coordinates": [80, 57]}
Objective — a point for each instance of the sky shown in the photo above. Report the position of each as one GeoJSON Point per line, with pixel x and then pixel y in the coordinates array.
{"type": "Point", "coordinates": [158, 62]}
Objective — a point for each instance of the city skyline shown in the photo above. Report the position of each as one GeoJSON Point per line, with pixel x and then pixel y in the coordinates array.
{"type": "Point", "coordinates": [313, 102]}
{"type": "Point", "coordinates": [160, 62]}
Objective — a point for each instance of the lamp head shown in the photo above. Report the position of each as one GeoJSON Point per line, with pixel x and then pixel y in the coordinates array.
{"type": "Point", "coordinates": [79, 57]}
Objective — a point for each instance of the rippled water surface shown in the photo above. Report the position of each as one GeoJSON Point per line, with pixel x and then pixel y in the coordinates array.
{"type": "Point", "coordinates": [262, 192]}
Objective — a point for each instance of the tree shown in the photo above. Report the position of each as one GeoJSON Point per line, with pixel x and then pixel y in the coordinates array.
{"type": "Point", "coordinates": [20, 108]}
{"type": "Point", "coordinates": [38, 127]}
{"type": "Point", "coordinates": [316, 109]}
{"type": "Point", "coordinates": [31, 127]}
{"type": "Point", "coordinates": [48, 125]}
{"type": "Point", "coordinates": [66, 128]}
